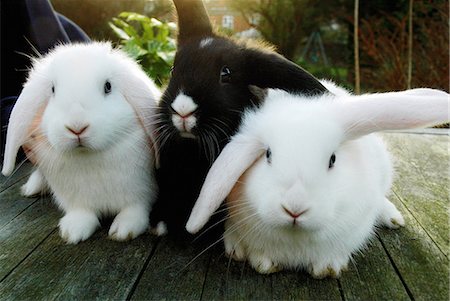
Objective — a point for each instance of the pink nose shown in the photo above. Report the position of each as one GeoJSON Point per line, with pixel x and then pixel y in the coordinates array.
{"type": "Point", "coordinates": [78, 130]}
{"type": "Point", "coordinates": [293, 214]}
{"type": "Point", "coordinates": [186, 115]}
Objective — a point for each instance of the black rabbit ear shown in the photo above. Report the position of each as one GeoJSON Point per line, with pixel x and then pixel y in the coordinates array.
{"type": "Point", "coordinates": [193, 21]}
{"type": "Point", "coordinates": [271, 70]}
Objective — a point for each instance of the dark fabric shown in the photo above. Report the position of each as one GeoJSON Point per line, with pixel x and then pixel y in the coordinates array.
{"type": "Point", "coordinates": [73, 31]}
{"type": "Point", "coordinates": [25, 23]}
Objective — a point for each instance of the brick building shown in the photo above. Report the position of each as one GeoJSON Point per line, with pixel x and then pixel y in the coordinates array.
{"type": "Point", "coordinates": [222, 15]}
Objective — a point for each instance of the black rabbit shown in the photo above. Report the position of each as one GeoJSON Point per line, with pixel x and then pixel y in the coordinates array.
{"type": "Point", "coordinates": [214, 80]}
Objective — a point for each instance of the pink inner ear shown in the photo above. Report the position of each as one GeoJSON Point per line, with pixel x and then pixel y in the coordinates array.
{"type": "Point", "coordinates": [233, 161]}
{"type": "Point", "coordinates": [33, 97]}
{"type": "Point", "coordinates": [366, 114]}
{"type": "Point", "coordinates": [141, 93]}
{"type": "Point", "coordinates": [147, 124]}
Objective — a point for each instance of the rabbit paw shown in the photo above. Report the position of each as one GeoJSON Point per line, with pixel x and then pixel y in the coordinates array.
{"type": "Point", "coordinates": [233, 246]}
{"type": "Point", "coordinates": [333, 270]}
{"type": "Point", "coordinates": [234, 250]}
{"type": "Point", "coordinates": [160, 229]}
{"type": "Point", "coordinates": [36, 184]}
{"type": "Point", "coordinates": [129, 223]}
{"type": "Point", "coordinates": [263, 264]}
{"type": "Point", "coordinates": [78, 226]}
{"type": "Point", "coordinates": [390, 217]}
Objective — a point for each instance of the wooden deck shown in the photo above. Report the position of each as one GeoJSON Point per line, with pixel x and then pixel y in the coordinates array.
{"type": "Point", "coordinates": [410, 263]}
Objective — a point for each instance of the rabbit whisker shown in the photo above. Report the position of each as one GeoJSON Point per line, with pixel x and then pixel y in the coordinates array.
{"type": "Point", "coordinates": [242, 210]}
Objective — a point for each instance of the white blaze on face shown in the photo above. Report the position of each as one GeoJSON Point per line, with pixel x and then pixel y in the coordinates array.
{"type": "Point", "coordinates": [183, 118]}
{"type": "Point", "coordinates": [206, 42]}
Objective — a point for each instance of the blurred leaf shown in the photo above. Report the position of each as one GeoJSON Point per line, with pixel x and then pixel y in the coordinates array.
{"type": "Point", "coordinates": [120, 33]}
{"type": "Point", "coordinates": [148, 41]}
{"type": "Point", "coordinates": [130, 31]}
{"type": "Point", "coordinates": [134, 50]}
{"type": "Point", "coordinates": [155, 22]}
{"type": "Point", "coordinates": [130, 16]}
{"type": "Point", "coordinates": [167, 57]}
{"type": "Point", "coordinates": [172, 26]}
{"type": "Point", "coordinates": [148, 31]}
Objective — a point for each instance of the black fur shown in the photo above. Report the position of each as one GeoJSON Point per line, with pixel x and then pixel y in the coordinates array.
{"type": "Point", "coordinates": [184, 162]}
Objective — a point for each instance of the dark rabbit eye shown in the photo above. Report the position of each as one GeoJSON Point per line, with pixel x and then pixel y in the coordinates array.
{"type": "Point", "coordinates": [225, 75]}
{"type": "Point", "coordinates": [269, 155]}
{"type": "Point", "coordinates": [53, 89]}
{"type": "Point", "coordinates": [332, 160]}
{"type": "Point", "coordinates": [107, 87]}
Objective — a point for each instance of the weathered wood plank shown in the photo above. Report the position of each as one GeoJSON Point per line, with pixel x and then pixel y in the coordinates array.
{"type": "Point", "coordinates": [371, 276]}
{"type": "Point", "coordinates": [231, 280]}
{"type": "Point", "coordinates": [421, 264]}
{"type": "Point", "coordinates": [420, 250]}
{"type": "Point", "coordinates": [98, 268]}
{"type": "Point", "coordinates": [12, 203]}
{"type": "Point", "coordinates": [116, 265]}
{"type": "Point", "coordinates": [301, 286]}
{"type": "Point", "coordinates": [27, 230]}
{"type": "Point", "coordinates": [171, 273]}
{"type": "Point", "coordinates": [23, 171]}
{"type": "Point", "coordinates": [422, 182]}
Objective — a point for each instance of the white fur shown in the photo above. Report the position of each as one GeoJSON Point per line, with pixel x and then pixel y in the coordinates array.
{"type": "Point", "coordinates": [183, 119]}
{"type": "Point", "coordinates": [340, 206]}
{"type": "Point", "coordinates": [108, 168]}
{"type": "Point", "coordinates": [160, 229]}
{"type": "Point", "coordinates": [36, 184]}
{"type": "Point", "coordinates": [206, 42]}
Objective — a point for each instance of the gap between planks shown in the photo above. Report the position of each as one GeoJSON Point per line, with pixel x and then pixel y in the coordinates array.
{"type": "Point", "coordinates": [419, 223]}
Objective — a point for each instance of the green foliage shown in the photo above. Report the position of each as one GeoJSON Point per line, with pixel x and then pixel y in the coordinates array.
{"type": "Point", "coordinates": [149, 41]}
{"type": "Point", "coordinates": [93, 15]}
{"type": "Point", "coordinates": [334, 73]}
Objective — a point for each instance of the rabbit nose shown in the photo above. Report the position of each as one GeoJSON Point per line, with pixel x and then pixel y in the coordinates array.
{"type": "Point", "coordinates": [77, 130]}
{"type": "Point", "coordinates": [184, 114]}
{"type": "Point", "coordinates": [293, 214]}
{"type": "Point", "coordinates": [183, 106]}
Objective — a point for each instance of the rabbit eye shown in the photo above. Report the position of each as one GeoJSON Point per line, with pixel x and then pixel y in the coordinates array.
{"type": "Point", "coordinates": [332, 160]}
{"type": "Point", "coordinates": [53, 89]}
{"type": "Point", "coordinates": [269, 155]}
{"type": "Point", "coordinates": [107, 87]}
{"type": "Point", "coordinates": [225, 75]}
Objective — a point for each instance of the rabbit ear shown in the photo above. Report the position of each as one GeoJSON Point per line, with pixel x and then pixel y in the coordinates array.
{"type": "Point", "coordinates": [193, 21]}
{"type": "Point", "coordinates": [233, 161]}
{"type": "Point", "coordinates": [271, 70]}
{"type": "Point", "coordinates": [33, 97]}
{"type": "Point", "coordinates": [142, 94]}
{"type": "Point", "coordinates": [415, 108]}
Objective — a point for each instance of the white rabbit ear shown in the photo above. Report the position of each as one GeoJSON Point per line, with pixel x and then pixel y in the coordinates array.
{"type": "Point", "coordinates": [142, 94]}
{"type": "Point", "coordinates": [233, 161]}
{"type": "Point", "coordinates": [33, 97]}
{"type": "Point", "coordinates": [415, 108]}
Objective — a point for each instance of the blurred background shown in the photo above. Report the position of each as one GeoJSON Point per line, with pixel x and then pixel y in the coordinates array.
{"type": "Point", "coordinates": [400, 43]}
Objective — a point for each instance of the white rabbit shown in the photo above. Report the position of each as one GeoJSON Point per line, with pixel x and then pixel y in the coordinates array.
{"type": "Point", "coordinates": [310, 180]}
{"type": "Point", "coordinates": [85, 118]}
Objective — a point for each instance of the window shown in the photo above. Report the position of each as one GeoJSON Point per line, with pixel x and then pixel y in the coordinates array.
{"type": "Point", "coordinates": [254, 19]}
{"type": "Point", "coordinates": [228, 21]}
